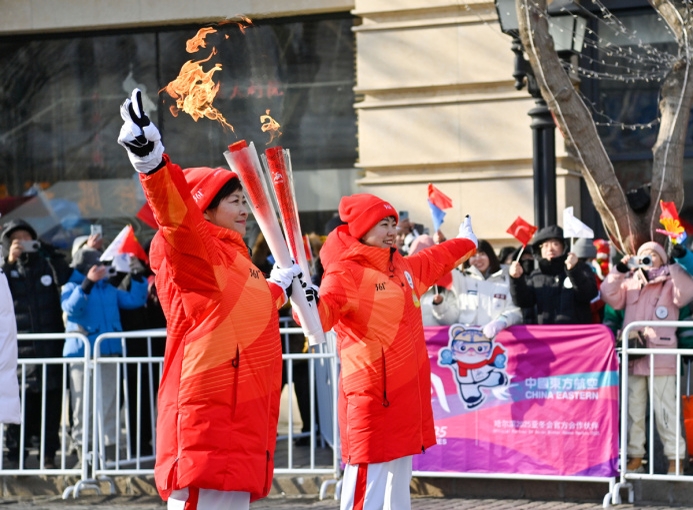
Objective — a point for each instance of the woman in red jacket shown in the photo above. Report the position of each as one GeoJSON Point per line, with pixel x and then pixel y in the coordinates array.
{"type": "Point", "coordinates": [221, 382]}
{"type": "Point", "coordinates": [371, 295]}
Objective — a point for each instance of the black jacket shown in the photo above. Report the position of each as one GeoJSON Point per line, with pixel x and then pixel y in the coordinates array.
{"type": "Point", "coordinates": [35, 280]}
{"type": "Point", "coordinates": [557, 295]}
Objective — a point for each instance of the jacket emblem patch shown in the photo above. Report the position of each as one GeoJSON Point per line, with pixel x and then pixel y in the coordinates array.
{"type": "Point", "coordinates": [410, 280]}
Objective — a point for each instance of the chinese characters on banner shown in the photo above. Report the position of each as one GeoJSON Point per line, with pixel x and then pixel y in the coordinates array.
{"type": "Point", "coordinates": [539, 400]}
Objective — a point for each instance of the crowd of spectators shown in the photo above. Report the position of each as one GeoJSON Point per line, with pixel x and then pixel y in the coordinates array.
{"type": "Point", "coordinates": [550, 281]}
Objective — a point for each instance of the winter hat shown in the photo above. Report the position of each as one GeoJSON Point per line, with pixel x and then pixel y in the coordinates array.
{"type": "Point", "coordinates": [14, 225]}
{"type": "Point", "coordinates": [363, 211]}
{"type": "Point", "coordinates": [78, 243]}
{"type": "Point", "coordinates": [420, 243]}
{"type": "Point", "coordinates": [85, 258]}
{"type": "Point", "coordinates": [546, 233]}
{"type": "Point", "coordinates": [655, 247]}
{"type": "Point", "coordinates": [205, 183]}
{"type": "Point", "coordinates": [583, 248]}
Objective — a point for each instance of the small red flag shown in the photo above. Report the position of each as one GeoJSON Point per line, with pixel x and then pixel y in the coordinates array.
{"type": "Point", "coordinates": [438, 198]}
{"type": "Point", "coordinates": [147, 216]}
{"type": "Point", "coordinates": [132, 246]}
{"type": "Point", "coordinates": [522, 231]}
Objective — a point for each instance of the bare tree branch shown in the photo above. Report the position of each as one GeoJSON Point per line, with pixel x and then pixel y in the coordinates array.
{"type": "Point", "coordinates": [578, 127]}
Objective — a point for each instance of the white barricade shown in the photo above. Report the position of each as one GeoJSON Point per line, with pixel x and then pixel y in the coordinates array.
{"type": "Point", "coordinates": [42, 364]}
{"type": "Point", "coordinates": [614, 496]}
{"type": "Point", "coordinates": [123, 459]}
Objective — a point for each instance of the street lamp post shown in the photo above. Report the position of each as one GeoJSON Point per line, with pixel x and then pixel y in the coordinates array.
{"type": "Point", "coordinates": [568, 33]}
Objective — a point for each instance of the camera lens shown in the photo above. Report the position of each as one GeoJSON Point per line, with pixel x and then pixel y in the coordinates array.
{"type": "Point", "coordinates": [646, 260]}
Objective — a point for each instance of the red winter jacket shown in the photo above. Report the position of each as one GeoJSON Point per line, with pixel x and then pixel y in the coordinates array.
{"type": "Point", "coordinates": [371, 298]}
{"type": "Point", "coordinates": [220, 387]}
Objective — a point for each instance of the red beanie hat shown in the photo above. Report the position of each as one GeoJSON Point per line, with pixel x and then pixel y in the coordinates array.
{"type": "Point", "coordinates": [205, 183]}
{"type": "Point", "coordinates": [363, 211]}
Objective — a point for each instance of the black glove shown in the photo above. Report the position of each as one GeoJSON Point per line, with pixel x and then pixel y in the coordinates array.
{"type": "Point", "coordinates": [678, 251]}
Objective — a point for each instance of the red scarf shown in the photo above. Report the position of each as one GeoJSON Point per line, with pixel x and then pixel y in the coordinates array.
{"type": "Point", "coordinates": [463, 367]}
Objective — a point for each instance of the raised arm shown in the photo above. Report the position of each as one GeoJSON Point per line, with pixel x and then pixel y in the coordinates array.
{"type": "Point", "coordinates": [189, 243]}
{"type": "Point", "coordinates": [431, 264]}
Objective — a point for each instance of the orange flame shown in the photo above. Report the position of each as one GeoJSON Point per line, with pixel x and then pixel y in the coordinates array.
{"type": "Point", "coordinates": [197, 42]}
{"type": "Point", "coordinates": [242, 25]}
{"type": "Point", "coordinates": [271, 125]}
{"type": "Point", "coordinates": [194, 91]}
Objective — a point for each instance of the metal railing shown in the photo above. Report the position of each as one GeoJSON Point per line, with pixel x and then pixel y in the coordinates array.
{"type": "Point", "coordinates": [21, 468]}
{"type": "Point", "coordinates": [614, 496]}
{"type": "Point", "coordinates": [125, 459]}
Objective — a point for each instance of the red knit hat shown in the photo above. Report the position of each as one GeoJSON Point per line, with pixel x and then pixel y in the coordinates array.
{"type": "Point", "coordinates": [363, 211]}
{"type": "Point", "coordinates": [205, 183]}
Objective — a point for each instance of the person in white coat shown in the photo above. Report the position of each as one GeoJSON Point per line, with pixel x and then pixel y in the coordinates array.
{"type": "Point", "coordinates": [480, 295]}
{"type": "Point", "coordinates": [9, 387]}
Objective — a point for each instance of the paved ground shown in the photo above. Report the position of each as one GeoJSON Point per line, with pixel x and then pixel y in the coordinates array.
{"type": "Point", "coordinates": [304, 503]}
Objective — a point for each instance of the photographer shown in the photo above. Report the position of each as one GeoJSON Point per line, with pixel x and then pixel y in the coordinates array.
{"type": "Point", "coordinates": [91, 304]}
{"type": "Point", "coordinates": [647, 288]}
{"type": "Point", "coordinates": [35, 271]}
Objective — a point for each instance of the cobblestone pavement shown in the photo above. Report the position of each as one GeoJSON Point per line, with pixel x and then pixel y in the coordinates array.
{"type": "Point", "coordinates": [308, 503]}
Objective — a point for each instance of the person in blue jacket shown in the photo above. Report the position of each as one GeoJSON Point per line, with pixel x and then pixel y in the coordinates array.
{"type": "Point", "coordinates": [92, 306]}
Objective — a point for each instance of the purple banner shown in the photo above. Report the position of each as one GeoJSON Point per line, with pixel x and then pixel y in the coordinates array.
{"type": "Point", "coordinates": [540, 400]}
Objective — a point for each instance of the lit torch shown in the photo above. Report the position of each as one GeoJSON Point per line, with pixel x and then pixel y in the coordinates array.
{"type": "Point", "coordinates": [244, 161]}
{"type": "Point", "coordinates": [278, 165]}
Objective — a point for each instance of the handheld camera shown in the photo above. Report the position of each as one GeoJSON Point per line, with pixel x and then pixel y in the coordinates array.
{"type": "Point", "coordinates": [643, 262]}
{"type": "Point", "coordinates": [29, 246]}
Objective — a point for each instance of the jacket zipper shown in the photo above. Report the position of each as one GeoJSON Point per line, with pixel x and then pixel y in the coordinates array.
{"type": "Point", "coordinates": [235, 363]}
{"type": "Point", "coordinates": [386, 402]}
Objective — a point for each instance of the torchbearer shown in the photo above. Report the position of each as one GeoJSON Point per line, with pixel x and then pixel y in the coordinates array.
{"type": "Point", "coordinates": [221, 383]}
{"type": "Point", "coordinates": [370, 295]}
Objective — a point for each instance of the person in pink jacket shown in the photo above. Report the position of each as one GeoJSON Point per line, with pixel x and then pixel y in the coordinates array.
{"type": "Point", "coordinates": [650, 293]}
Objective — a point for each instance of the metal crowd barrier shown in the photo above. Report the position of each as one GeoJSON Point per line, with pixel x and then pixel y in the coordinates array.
{"type": "Point", "coordinates": [65, 444]}
{"type": "Point", "coordinates": [614, 496]}
{"type": "Point", "coordinates": [126, 459]}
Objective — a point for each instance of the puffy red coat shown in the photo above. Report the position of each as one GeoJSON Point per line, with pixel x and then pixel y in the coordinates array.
{"type": "Point", "coordinates": [371, 297]}
{"type": "Point", "coordinates": [221, 382]}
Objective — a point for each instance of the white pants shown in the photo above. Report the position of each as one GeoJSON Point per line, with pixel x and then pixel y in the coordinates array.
{"type": "Point", "coordinates": [107, 397]}
{"type": "Point", "coordinates": [209, 499]}
{"type": "Point", "coordinates": [664, 404]}
{"type": "Point", "coordinates": [383, 486]}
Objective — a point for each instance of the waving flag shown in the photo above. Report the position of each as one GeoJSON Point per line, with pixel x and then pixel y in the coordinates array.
{"type": "Point", "coordinates": [672, 223]}
{"type": "Point", "coordinates": [438, 201]}
{"type": "Point", "coordinates": [125, 242]}
{"type": "Point", "coordinates": [522, 231]}
{"type": "Point", "coordinates": [573, 227]}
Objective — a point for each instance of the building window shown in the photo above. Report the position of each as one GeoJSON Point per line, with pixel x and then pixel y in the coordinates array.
{"type": "Point", "coordinates": [61, 168]}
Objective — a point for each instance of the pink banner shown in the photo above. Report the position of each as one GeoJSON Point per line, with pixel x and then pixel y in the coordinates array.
{"type": "Point", "coordinates": [540, 400]}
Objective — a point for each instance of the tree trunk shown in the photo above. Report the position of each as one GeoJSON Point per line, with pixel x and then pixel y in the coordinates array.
{"type": "Point", "coordinates": [626, 229]}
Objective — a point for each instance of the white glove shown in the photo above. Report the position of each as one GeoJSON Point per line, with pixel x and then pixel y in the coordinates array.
{"type": "Point", "coordinates": [312, 294]}
{"type": "Point", "coordinates": [493, 328]}
{"type": "Point", "coordinates": [284, 276]}
{"type": "Point", "coordinates": [467, 232]}
{"type": "Point", "coordinates": [139, 136]}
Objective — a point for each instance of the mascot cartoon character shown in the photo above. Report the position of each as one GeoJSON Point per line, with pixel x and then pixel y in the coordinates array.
{"type": "Point", "coordinates": [476, 361]}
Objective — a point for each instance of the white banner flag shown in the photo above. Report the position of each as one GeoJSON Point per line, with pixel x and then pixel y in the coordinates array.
{"type": "Point", "coordinates": [573, 227]}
